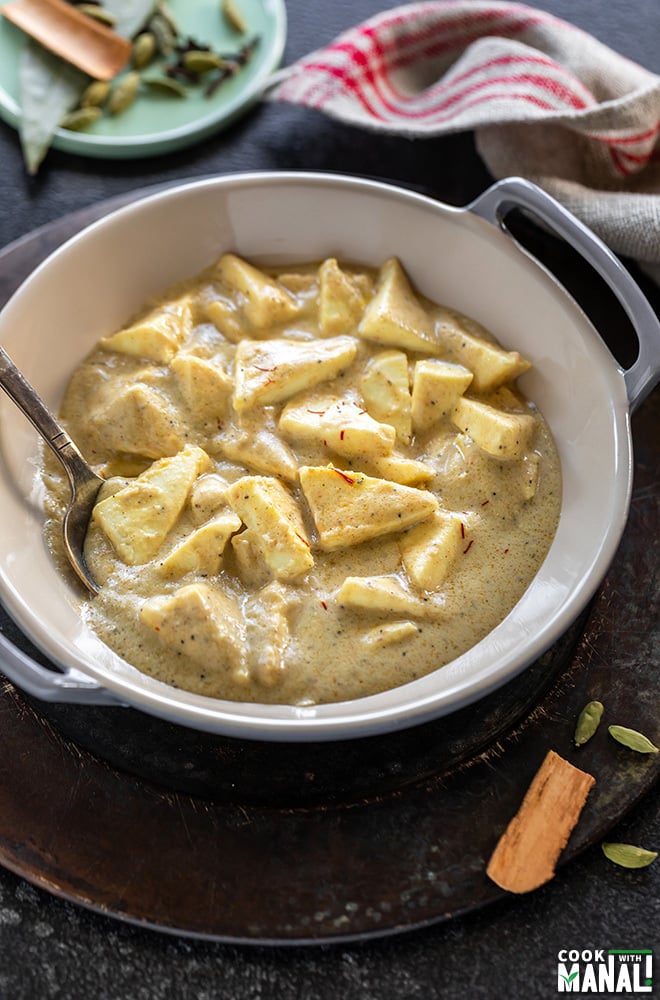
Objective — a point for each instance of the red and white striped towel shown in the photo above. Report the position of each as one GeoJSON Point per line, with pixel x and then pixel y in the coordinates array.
{"type": "Point", "coordinates": [547, 100]}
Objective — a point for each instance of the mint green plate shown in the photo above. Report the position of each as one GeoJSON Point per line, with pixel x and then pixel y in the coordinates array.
{"type": "Point", "coordinates": [158, 123]}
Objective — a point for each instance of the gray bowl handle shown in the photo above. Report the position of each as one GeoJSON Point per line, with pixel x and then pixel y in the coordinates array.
{"type": "Point", "coordinates": [70, 686]}
{"type": "Point", "coordinates": [514, 192]}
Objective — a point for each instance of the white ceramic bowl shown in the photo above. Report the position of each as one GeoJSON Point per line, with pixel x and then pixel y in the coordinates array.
{"type": "Point", "coordinates": [459, 256]}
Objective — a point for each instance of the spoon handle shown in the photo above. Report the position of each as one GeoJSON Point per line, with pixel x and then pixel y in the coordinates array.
{"type": "Point", "coordinates": [30, 403]}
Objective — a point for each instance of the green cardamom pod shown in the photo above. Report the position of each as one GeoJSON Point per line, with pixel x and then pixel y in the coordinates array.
{"type": "Point", "coordinates": [632, 739]}
{"type": "Point", "coordinates": [165, 12]}
{"type": "Point", "coordinates": [124, 93]}
{"type": "Point", "coordinates": [95, 94]}
{"type": "Point", "coordinates": [199, 61]}
{"type": "Point", "coordinates": [163, 33]}
{"type": "Point", "coordinates": [629, 856]}
{"type": "Point", "coordinates": [144, 49]}
{"type": "Point", "coordinates": [98, 13]}
{"type": "Point", "coordinates": [165, 85]}
{"type": "Point", "coordinates": [588, 722]}
{"type": "Point", "coordinates": [81, 118]}
{"type": "Point", "coordinates": [233, 16]}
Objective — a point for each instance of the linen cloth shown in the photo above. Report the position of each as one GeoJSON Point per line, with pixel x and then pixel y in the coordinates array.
{"type": "Point", "coordinates": [547, 101]}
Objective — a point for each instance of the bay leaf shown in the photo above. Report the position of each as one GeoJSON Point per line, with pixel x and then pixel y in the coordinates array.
{"type": "Point", "coordinates": [49, 88]}
{"type": "Point", "coordinates": [129, 15]}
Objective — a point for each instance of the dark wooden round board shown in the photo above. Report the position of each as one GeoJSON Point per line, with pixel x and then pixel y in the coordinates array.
{"type": "Point", "coordinates": [239, 841]}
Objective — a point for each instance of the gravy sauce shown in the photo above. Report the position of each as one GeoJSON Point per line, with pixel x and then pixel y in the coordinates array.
{"type": "Point", "coordinates": [320, 485]}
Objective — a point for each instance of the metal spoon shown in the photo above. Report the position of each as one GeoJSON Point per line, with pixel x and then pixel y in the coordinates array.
{"type": "Point", "coordinates": [84, 482]}
{"type": "Point", "coordinates": [88, 44]}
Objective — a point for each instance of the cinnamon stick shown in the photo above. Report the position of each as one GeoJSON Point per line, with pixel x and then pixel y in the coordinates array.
{"type": "Point", "coordinates": [528, 850]}
{"type": "Point", "coordinates": [65, 30]}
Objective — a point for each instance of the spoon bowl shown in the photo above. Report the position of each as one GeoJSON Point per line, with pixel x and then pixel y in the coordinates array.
{"type": "Point", "coordinates": [84, 482]}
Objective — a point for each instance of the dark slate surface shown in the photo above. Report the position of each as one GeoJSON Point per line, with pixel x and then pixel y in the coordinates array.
{"type": "Point", "coordinates": [52, 949]}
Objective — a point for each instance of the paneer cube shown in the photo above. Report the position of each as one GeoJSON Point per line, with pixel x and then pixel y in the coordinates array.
{"type": "Point", "coordinates": [274, 370]}
{"type": "Point", "coordinates": [341, 301]}
{"type": "Point", "coordinates": [531, 475]}
{"type": "Point", "coordinates": [504, 435]}
{"type": "Point", "coordinates": [202, 623]}
{"type": "Point", "coordinates": [386, 392]}
{"type": "Point", "coordinates": [300, 283]}
{"type": "Point", "coordinates": [158, 335]}
{"type": "Point", "coordinates": [395, 316]}
{"type": "Point", "coordinates": [351, 507]}
{"type": "Point", "coordinates": [138, 518]}
{"type": "Point", "coordinates": [454, 456]}
{"type": "Point", "coordinates": [225, 317]}
{"type": "Point", "coordinates": [429, 550]}
{"type": "Point", "coordinates": [208, 495]}
{"type": "Point", "coordinates": [490, 364]}
{"type": "Point", "coordinates": [201, 551]}
{"type": "Point", "coordinates": [268, 634]}
{"type": "Point", "coordinates": [264, 301]}
{"type": "Point", "coordinates": [385, 595]}
{"type": "Point", "coordinates": [386, 635]}
{"type": "Point", "coordinates": [505, 398]}
{"type": "Point", "coordinates": [436, 387]}
{"type": "Point", "coordinates": [139, 420]}
{"type": "Point", "coordinates": [275, 523]}
{"type": "Point", "coordinates": [338, 424]}
{"type": "Point", "coordinates": [205, 385]}
{"type": "Point", "coordinates": [250, 567]}
{"type": "Point", "coordinates": [257, 447]}
{"type": "Point", "coordinates": [123, 466]}
{"type": "Point", "coordinates": [407, 471]}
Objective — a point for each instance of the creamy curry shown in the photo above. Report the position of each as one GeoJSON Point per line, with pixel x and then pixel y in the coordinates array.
{"type": "Point", "coordinates": [320, 484]}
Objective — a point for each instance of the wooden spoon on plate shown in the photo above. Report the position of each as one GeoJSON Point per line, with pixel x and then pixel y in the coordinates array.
{"type": "Point", "coordinates": [82, 41]}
